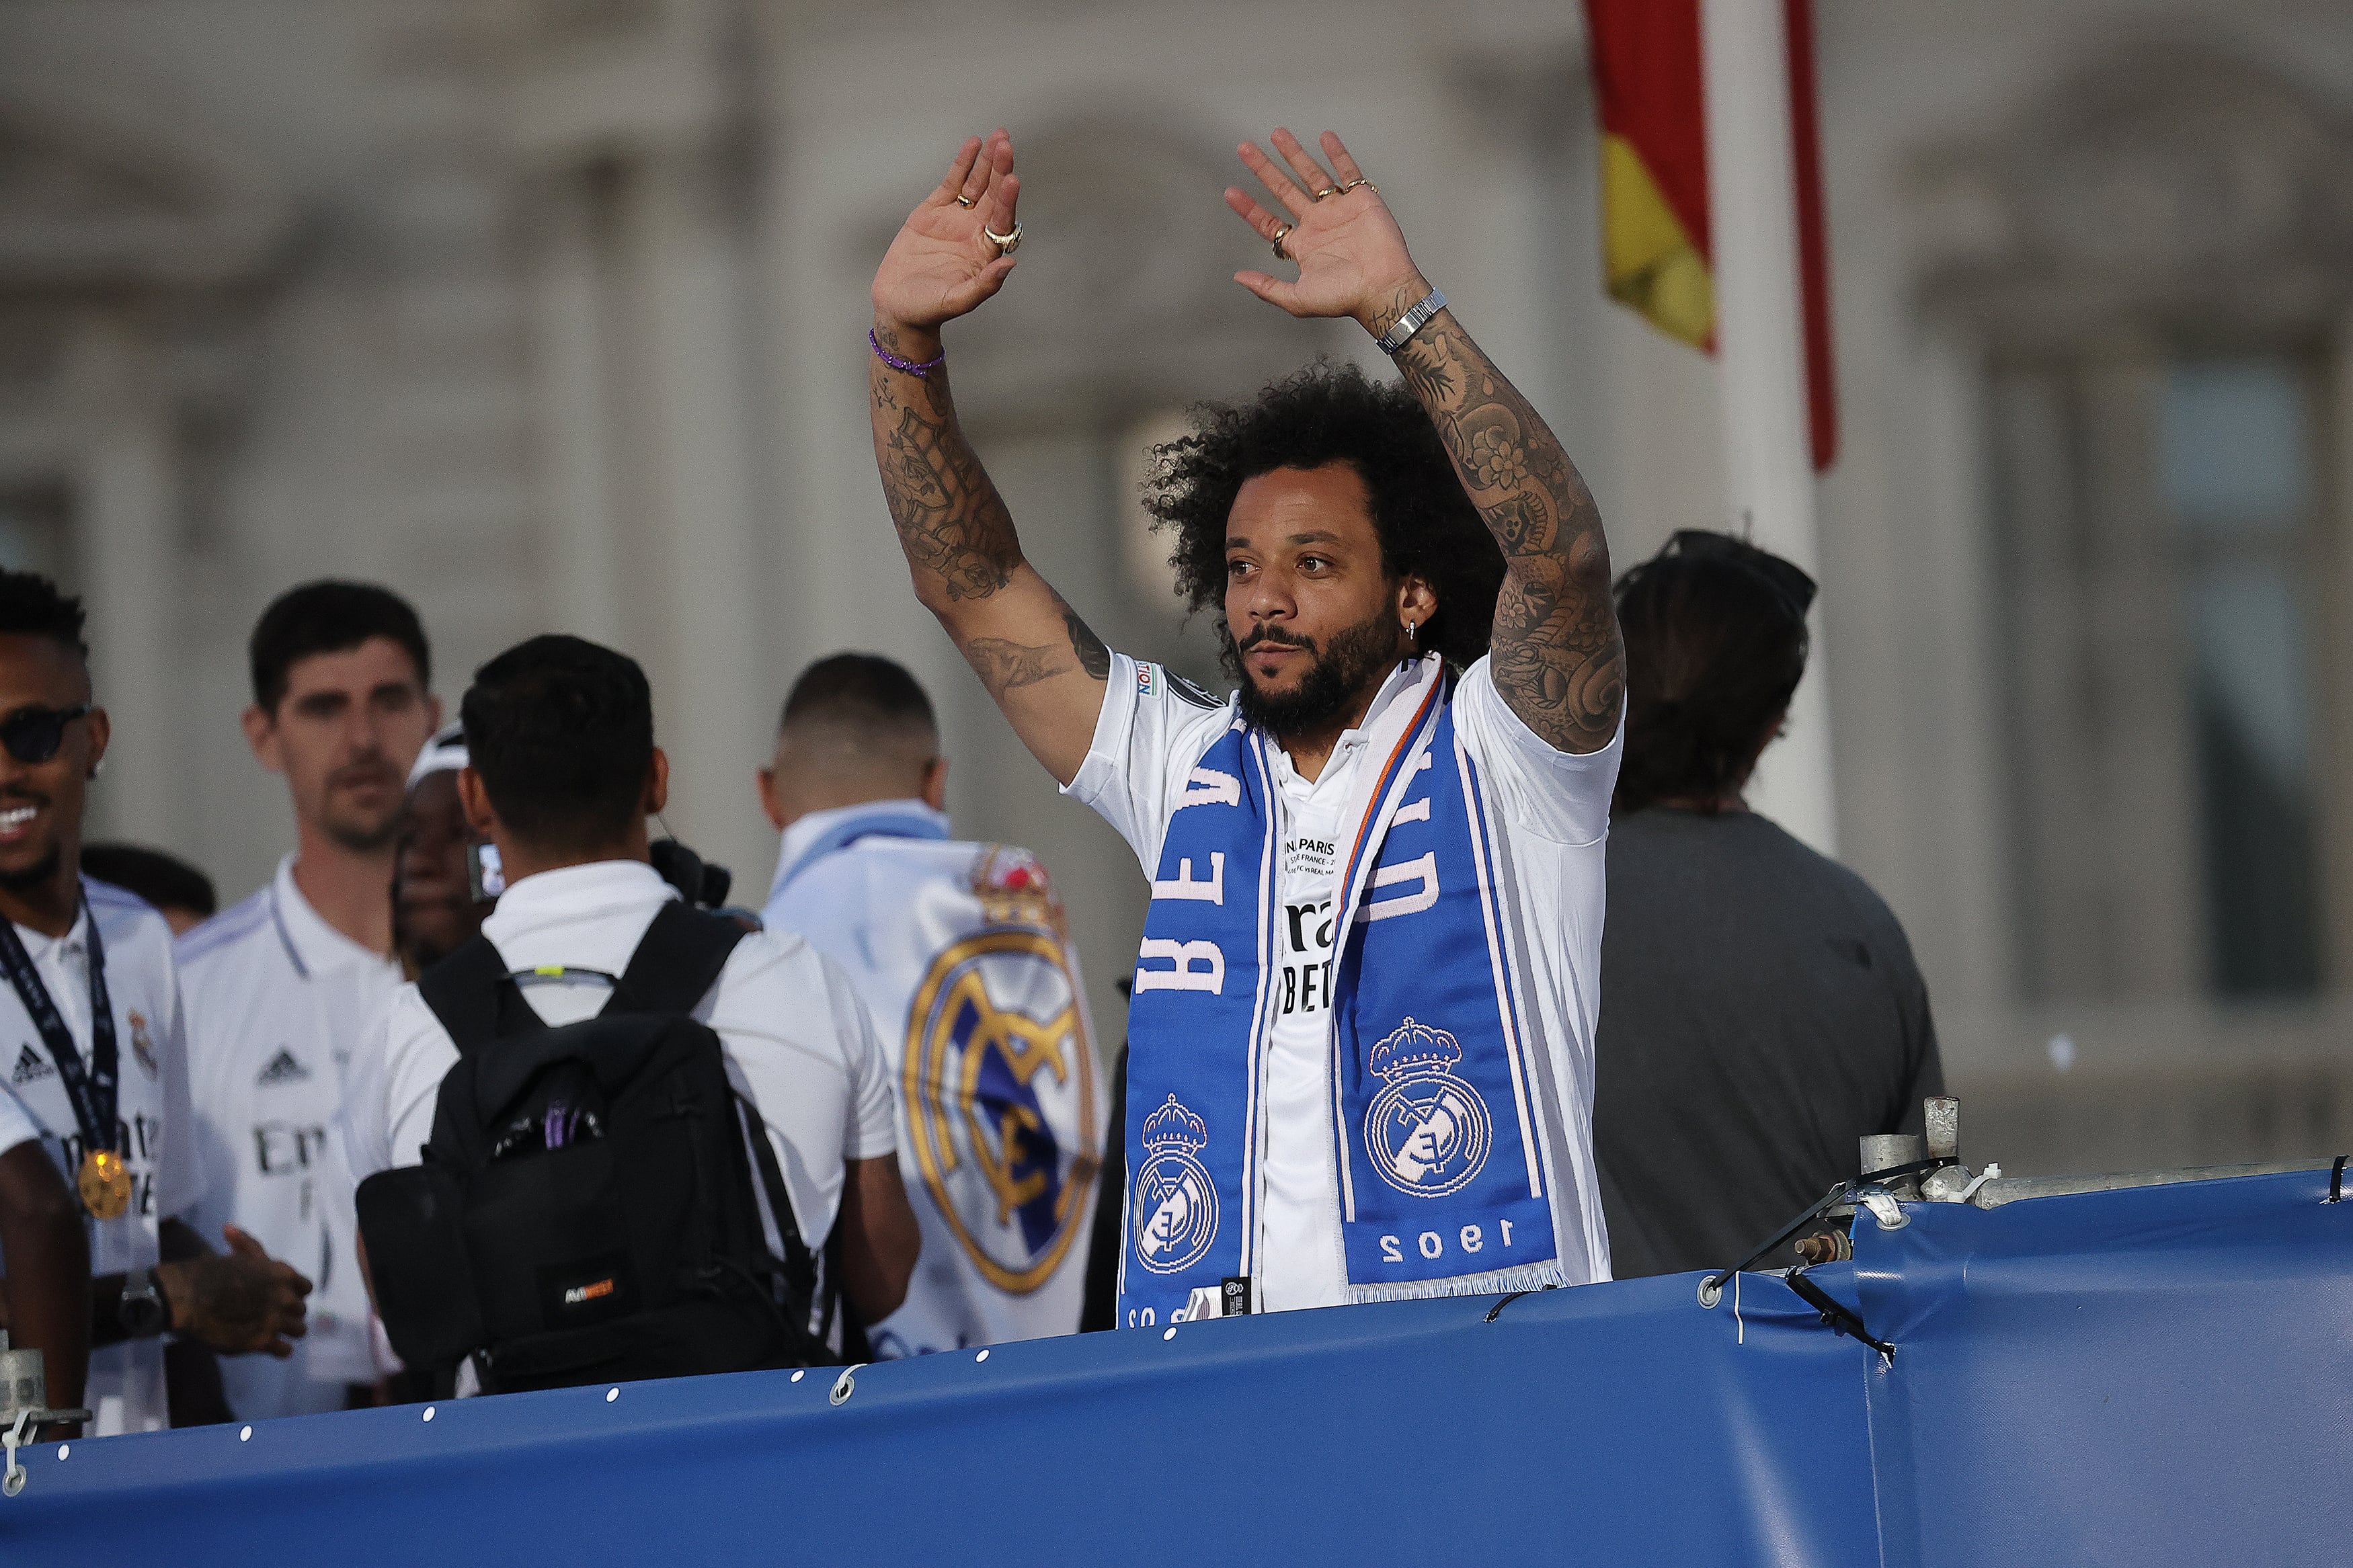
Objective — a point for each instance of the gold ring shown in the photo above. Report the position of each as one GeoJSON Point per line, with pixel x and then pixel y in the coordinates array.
{"type": "Point", "coordinates": [1006, 244]}
{"type": "Point", "coordinates": [965, 202]}
{"type": "Point", "coordinates": [1352, 184]}
{"type": "Point", "coordinates": [1327, 191]}
{"type": "Point", "coordinates": [1281, 232]}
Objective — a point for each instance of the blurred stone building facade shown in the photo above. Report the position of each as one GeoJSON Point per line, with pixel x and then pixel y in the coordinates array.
{"type": "Point", "coordinates": [552, 313]}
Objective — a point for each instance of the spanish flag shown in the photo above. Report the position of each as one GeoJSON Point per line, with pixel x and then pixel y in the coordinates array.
{"type": "Point", "coordinates": [1656, 250]}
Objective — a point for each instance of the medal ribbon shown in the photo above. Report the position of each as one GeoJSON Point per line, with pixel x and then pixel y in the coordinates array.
{"type": "Point", "coordinates": [92, 1090]}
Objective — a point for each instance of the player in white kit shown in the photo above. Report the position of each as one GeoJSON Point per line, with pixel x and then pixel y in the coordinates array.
{"type": "Point", "coordinates": [959, 952]}
{"type": "Point", "coordinates": [278, 986]}
{"type": "Point", "coordinates": [94, 1070]}
{"type": "Point", "coordinates": [1361, 1044]}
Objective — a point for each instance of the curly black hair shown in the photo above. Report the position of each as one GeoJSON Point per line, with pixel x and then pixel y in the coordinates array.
{"type": "Point", "coordinates": [1332, 414]}
{"type": "Point", "coordinates": [31, 606]}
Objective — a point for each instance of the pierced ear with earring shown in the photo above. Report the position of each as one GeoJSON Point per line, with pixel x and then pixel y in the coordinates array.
{"type": "Point", "coordinates": [1410, 629]}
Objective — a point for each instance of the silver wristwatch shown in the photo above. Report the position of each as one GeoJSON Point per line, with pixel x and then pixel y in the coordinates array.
{"type": "Point", "coordinates": [142, 1311]}
{"type": "Point", "coordinates": [1412, 321]}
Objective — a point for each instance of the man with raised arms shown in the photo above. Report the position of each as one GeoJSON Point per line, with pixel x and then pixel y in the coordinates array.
{"type": "Point", "coordinates": [1362, 1027]}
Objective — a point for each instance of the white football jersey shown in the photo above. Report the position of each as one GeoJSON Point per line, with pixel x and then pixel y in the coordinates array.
{"type": "Point", "coordinates": [126, 1380]}
{"type": "Point", "coordinates": [958, 951]}
{"type": "Point", "coordinates": [1552, 808]}
{"type": "Point", "coordinates": [276, 998]}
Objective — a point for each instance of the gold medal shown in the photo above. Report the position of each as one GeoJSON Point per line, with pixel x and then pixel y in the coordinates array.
{"type": "Point", "coordinates": [105, 1183]}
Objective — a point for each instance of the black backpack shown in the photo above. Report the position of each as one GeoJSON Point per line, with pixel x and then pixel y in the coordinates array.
{"type": "Point", "coordinates": [584, 1212]}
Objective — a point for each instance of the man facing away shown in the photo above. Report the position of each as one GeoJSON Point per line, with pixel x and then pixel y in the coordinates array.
{"type": "Point", "coordinates": [562, 774]}
{"type": "Point", "coordinates": [278, 986]}
{"type": "Point", "coordinates": [959, 952]}
{"type": "Point", "coordinates": [1761, 1009]}
{"type": "Point", "coordinates": [1361, 1055]}
{"type": "Point", "coordinates": [95, 1075]}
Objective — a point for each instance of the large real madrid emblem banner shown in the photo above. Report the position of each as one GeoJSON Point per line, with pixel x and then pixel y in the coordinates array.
{"type": "Point", "coordinates": [1003, 1125]}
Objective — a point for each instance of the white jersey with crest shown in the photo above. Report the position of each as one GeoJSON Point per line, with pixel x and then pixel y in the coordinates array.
{"type": "Point", "coordinates": [276, 998]}
{"type": "Point", "coordinates": [959, 953]}
{"type": "Point", "coordinates": [126, 1380]}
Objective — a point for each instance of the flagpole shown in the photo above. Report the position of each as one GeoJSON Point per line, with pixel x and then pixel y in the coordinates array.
{"type": "Point", "coordinates": [1760, 355]}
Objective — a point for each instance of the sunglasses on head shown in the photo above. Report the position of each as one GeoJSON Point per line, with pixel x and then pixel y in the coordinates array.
{"type": "Point", "coordinates": [34, 734]}
{"type": "Point", "coordinates": [1787, 579]}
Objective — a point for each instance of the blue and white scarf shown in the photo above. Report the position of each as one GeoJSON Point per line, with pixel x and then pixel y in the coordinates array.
{"type": "Point", "coordinates": [1445, 1182]}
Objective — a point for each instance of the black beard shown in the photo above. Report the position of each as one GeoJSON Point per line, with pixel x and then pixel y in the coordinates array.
{"type": "Point", "coordinates": [34, 876]}
{"type": "Point", "coordinates": [1327, 691]}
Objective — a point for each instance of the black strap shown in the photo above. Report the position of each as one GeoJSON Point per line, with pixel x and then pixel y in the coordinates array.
{"type": "Point", "coordinates": [467, 991]}
{"type": "Point", "coordinates": [92, 1088]}
{"type": "Point", "coordinates": [677, 961]}
{"type": "Point", "coordinates": [800, 1266]}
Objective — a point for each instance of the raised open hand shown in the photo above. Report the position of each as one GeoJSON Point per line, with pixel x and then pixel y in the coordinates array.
{"type": "Point", "coordinates": [1351, 254]}
{"type": "Point", "coordinates": [941, 264]}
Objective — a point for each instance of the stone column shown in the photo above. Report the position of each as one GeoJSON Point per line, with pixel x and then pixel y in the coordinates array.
{"type": "Point", "coordinates": [125, 486]}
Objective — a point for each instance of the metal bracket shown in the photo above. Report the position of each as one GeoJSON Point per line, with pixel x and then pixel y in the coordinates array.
{"type": "Point", "coordinates": [19, 1435]}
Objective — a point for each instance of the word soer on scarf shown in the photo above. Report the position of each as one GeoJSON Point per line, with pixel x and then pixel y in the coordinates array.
{"type": "Point", "coordinates": [1445, 1183]}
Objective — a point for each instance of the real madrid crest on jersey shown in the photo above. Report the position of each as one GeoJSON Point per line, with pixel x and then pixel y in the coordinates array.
{"type": "Point", "coordinates": [1175, 1202]}
{"type": "Point", "coordinates": [142, 1044]}
{"type": "Point", "coordinates": [998, 1084]}
{"type": "Point", "coordinates": [1428, 1131]}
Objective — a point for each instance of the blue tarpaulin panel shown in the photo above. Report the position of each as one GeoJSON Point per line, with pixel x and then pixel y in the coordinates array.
{"type": "Point", "coordinates": [2150, 1376]}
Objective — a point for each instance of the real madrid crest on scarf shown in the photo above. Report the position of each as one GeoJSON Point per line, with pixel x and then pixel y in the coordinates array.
{"type": "Point", "coordinates": [1427, 1131]}
{"type": "Point", "coordinates": [1175, 1195]}
{"type": "Point", "coordinates": [1445, 1178]}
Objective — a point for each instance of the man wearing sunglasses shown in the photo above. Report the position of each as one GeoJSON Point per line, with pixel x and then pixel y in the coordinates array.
{"type": "Point", "coordinates": [278, 986]}
{"type": "Point", "coordinates": [93, 1078]}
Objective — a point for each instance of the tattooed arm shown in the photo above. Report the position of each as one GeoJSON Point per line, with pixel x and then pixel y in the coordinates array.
{"type": "Point", "coordinates": [1039, 661]}
{"type": "Point", "coordinates": [1556, 654]}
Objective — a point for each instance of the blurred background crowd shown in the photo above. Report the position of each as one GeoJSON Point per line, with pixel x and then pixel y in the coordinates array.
{"type": "Point", "coordinates": [550, 314]}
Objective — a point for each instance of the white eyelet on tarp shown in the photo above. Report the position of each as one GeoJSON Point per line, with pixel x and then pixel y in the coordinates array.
{"type": "Point", "coordinates": [846, 1385]}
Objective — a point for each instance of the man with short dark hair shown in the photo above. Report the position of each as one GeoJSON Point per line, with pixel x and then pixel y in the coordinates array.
{"type": "Point", "coordinates": [96, 1081]}
{"type": "Point", "coordinates": [1361, 1039]}
{"type": "Point", "coordinates": [562, 774]}
{"type": "Point", "coordinates": [280, 985]}
{"type": "Point", "coordinates": [1761, 1009]}
{"type": "Point", "coordinates": [960, 952]}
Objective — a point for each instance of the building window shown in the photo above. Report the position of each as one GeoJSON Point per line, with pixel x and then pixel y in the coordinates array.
{"type": "Point", "coordinates": [2235, 458]}
{"type": "Point", "coordinates": [2158, 549]}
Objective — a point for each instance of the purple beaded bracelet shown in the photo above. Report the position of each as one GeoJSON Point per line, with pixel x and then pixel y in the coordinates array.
{"type": "Point", "coordinates": [910, 366]}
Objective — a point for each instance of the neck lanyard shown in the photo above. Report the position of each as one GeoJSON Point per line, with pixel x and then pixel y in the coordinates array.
{"type": "Point", "coordinates": [91, 1089]}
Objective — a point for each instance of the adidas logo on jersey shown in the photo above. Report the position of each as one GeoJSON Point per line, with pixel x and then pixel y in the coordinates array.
{"type": "Point", "coordinates": [31, 1068]}
{"type": "Point", "coordinates": [282, 1068]}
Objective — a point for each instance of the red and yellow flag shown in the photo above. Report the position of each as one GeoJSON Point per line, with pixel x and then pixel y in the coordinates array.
{"type": "Point", "coordinates": [1654, 228]}
{"type": "Point", "coordinates": [1656, 245]}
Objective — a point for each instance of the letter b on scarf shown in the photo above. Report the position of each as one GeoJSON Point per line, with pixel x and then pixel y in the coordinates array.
{"type": "Point", "coordinates": [1199, 967]}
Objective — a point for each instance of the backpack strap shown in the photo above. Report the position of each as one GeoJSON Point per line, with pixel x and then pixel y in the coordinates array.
{"type": "Point", "coordinates": [467, 991]}
{"type": "Point", "coordinates": [801, 1281]}
{"type": "Point", "coordinates": [676, 962]}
